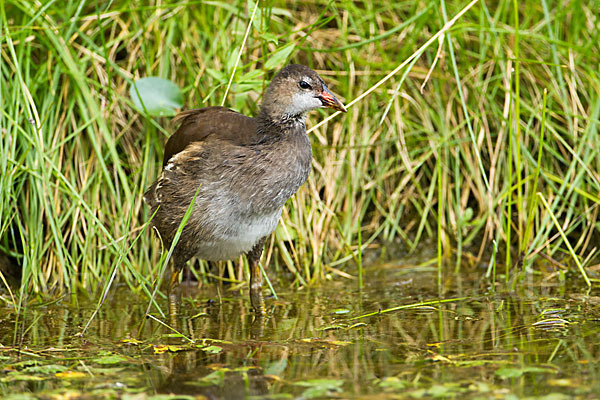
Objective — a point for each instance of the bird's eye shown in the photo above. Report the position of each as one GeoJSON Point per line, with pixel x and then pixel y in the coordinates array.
{"type": "Point", "coordinates": [304, 85]}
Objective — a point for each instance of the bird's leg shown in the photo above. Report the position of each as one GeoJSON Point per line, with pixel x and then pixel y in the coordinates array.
{"type": "Point", "coordinates": [256, 296]}
{"type": "Point", "coordinates": [177, 265]}
{"type": "Point", "coordinates": [174, 280]}
{"type": "Point", "coordinates": [173, 301]}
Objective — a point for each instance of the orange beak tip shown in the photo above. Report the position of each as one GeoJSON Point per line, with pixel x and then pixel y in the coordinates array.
{"type": "Point", "coordinates": [330, 101]}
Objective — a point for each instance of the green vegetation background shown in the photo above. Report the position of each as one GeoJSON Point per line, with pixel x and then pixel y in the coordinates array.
{"type": "Point", "coordinates": [487, 141]}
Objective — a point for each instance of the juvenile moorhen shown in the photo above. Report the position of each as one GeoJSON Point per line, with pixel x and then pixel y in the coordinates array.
{"type": "Point", "coordinates": [244, 170]}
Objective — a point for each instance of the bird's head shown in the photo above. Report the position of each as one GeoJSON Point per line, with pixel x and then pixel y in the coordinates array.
{"type": "Point", "coordinates": [296, 90]}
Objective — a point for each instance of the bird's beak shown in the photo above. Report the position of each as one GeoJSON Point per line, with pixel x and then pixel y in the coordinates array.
{"type": "Point", "coordinates": [330, 101]}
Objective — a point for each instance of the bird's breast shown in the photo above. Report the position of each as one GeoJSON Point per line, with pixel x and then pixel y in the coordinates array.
{"type": "Point", "coordinates": [278, 174]}
{"type": "Point", "coordinates": [237, 236]}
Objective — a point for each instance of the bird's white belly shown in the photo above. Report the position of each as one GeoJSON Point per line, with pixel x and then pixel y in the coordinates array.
{"type": "Point", "coordinates": [239, 238]}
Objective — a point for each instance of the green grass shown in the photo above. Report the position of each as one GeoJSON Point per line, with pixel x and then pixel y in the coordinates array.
{"type": "Point", "coordinates": [497, 142]}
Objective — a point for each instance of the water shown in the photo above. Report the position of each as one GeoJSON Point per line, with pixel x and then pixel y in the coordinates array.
{"type": "Point", "coordinates": [541, 342]}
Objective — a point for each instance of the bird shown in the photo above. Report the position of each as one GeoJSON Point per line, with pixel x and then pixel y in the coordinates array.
{"type": "Point", "coordinates": [240, 171]}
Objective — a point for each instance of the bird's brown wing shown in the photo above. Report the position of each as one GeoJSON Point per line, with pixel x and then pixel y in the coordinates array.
{"type": "Point", "coordinates": [200, 124]}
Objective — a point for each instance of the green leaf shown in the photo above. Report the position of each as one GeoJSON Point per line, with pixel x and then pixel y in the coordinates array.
{"type": "Point", "coordinates": [212, 349]}
{"type": "Point", "coordinates": [340, 311]}
{"type": "Point", "coordinates": [251, 76]}
{"type": "Point", "coordinates": [231, 61]}
{"type": "Point", "coordinates": [158, 96]}
{"type": "Point", "coordinates": [110, 359]}
{"type": "Point", "coordinates": [219, 76]}
{"type": "Point", "coordinates": [393, 383]}
{"type": "Point", "coordinates": [45, 369]}
{"type": "Point", "coordinates": [269, 37]}
{"type": "Point", "coordinates": [320, 387]}
{"type": "Point", "coordinates": [285, 234]}
{"type": "Point", "coordinates": [280, 56]}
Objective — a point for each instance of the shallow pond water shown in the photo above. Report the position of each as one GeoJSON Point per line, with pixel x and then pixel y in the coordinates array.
{"type": "Point", "coordinates": [540, 342]}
